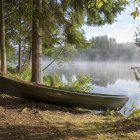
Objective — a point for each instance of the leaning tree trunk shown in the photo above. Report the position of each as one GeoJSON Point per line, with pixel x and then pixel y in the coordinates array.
{"type": "Point", "coordinates": [2, 37]}
{"type": "Point", "coordinates": [19, 57]}
{"type": "Point", "coordinates": [36, 44]}
{"type": "Point", "coordinates": [27, 61]}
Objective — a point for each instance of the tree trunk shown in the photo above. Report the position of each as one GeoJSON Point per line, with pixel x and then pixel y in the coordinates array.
{"type": "Point", "coordinates": [19, 57]}
{"type": "Point", "coordinates": [36, 44]}
{"type": "Point", "coordinates": [2, 37]}
{"type": "Point", "coordinates": [27, 62]}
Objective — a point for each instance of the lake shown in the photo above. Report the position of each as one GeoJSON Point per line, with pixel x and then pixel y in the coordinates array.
{"type": "Point", "coordinates": [108, 78]}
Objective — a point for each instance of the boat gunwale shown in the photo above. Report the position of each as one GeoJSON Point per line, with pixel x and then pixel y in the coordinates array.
{"type": "Point", "coordinates": [62, 90]}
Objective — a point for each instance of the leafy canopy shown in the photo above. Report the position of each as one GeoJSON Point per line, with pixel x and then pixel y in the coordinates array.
{"type": "Point", "coordinates": [61, 20]}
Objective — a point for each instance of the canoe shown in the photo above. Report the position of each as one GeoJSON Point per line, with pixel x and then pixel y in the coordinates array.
{"type": "Point", "coordinates": [70, 98]}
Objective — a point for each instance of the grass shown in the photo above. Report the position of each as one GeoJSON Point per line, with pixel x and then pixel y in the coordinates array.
{"type": "Point", "coordinates": [24, 75]}
{"type": "Point", "coordinates": [83, 83]}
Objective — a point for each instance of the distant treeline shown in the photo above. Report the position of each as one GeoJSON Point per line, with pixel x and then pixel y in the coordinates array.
{"type": "Point", "coordinates": [107, 49]}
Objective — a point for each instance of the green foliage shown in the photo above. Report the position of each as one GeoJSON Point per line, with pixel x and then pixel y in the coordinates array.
{"type": "Point", "coordinates": [108, 49]}
{"type": "Point", "coordinates": [135, 13]}
{"type": "Point", "coordinates": [83, 83]}
{"type": "Point", "coordinates": [135, 114]}
{"type": "Point", "coordinates": [76, 37]}
{"type": "Point", "coordinates": [53, 80]}
{"type": "Point", "coordinates": [97, 12]}
{"type": "Point", "coordinates": [97, 3]}
{"type": "Point", "coordinates": [110, 112]}
{"type": "Point", "coordinates": [24, 75]}
{"type": "Point", "coordinates": [101, 12]}
{"type": "Point", "coordinates": [67, 52]}
{"type": "Point", "coordinates": [11, 54]}
{"type": "Point", "coordinates": [49, 52]}
{"type": "Point", "coordinates": [61, 53]}
{"type": "Point", "coordinates": [18, 28]}
{"type": "Point", "coordinates": [59, 22]}
{"type": "Point", "coordinates": [62, 24]}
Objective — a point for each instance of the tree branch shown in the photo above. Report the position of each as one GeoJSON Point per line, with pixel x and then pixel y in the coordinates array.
{"type": "Point", "coordinates": [54, 59]}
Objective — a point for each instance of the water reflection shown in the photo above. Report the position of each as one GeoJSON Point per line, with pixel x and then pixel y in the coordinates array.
{"type": "Point", "coordinates": [108, 78]}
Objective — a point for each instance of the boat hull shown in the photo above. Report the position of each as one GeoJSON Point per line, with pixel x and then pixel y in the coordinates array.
{"type": "Point", "coordinates": [19, 88]}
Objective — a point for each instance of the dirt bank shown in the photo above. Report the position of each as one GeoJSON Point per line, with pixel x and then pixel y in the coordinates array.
{"type": "Point", "coordinates": [28, 120]}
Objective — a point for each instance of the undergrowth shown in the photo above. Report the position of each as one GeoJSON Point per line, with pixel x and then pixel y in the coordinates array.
{"type": "Point", "coordinates": [82, 82]}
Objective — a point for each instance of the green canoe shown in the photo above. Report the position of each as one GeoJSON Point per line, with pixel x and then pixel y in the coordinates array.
{"type": "Point", "coordinates": [95, 101]}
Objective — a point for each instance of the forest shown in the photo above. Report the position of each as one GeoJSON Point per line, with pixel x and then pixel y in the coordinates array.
{"type": "Point", "coordinates": [107, 49]}
{"type": "Point", "coordinates": [33, 29]}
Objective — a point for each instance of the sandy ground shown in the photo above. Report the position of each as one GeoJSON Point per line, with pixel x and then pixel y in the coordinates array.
{"type": "Point", "coordinates": [21, 119]}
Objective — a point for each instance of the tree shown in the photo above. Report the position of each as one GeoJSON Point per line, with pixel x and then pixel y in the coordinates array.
{"type": "Point", "coordinates": [36, 43]}
{"type": "Point", "coordinates": [2, 37]}
{"type": "Point", "coordinates": [18, 30]}
{"type": "Point", "coordinates": [69, 16]}
{"type": "Point", "coordinates": [61, 22]}
{"type": "Point", "coordinates": [107, 49]}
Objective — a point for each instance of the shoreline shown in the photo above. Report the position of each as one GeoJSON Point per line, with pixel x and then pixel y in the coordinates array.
{"type": "Point", "coordinates": [24, 119]}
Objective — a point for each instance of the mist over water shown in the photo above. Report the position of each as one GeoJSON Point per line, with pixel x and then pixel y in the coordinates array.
{"type": "Point", "coordinates": [108, 78]}
{"type": "Point", "coordinates": [109, 64]}
{"type": "Point", "coordinates": [104, 49]}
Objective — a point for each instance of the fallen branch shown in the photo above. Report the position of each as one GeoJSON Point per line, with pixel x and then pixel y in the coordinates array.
{"type": "Point", "coordinates": [54, 59]}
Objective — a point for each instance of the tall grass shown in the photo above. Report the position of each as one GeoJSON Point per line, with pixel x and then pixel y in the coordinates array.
{"type": "Point", "coordinates": [23, 75]}
{"type": "Point", "coordinates": [82, 83]}
{"type": "Point", "coordinates": [53, 80]}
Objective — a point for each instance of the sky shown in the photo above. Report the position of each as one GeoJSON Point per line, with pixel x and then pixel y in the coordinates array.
{"type": "Point", "coordinates": [122, 30]}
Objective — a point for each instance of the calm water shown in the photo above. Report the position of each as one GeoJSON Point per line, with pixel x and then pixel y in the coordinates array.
{"type": "Point", "coordinates": [109, 78]}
